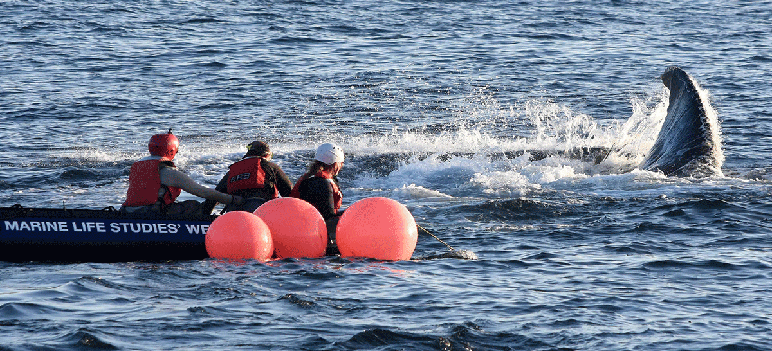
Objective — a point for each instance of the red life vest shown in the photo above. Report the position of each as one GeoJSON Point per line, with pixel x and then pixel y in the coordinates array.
{"type": "Point", "coordinates": [247, 174]}
{"type": "Point", "coordinates": [337, 196]}
{"type": "Point", "coordinates": [145, 182]}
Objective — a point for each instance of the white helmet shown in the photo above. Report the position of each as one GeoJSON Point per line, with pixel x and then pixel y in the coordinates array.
{"type": "Point", "coordinates": [329, 153]}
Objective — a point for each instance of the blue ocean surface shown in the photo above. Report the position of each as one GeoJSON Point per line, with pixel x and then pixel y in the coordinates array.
{"type": "Point", "coordinates": [443, 106]}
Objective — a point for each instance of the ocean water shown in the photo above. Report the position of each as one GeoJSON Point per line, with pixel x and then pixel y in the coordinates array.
{"type": "Point", "coordinates": [440, 105]}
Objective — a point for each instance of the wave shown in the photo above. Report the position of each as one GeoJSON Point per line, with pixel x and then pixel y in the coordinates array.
{"type": "Point", "coordinates": [468, 336]}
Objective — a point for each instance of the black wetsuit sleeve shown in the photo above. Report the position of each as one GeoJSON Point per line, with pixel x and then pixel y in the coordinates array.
{"type": "Point", "coordinates": [318, 192]}
{"type": "Point", "coordinates": [209, 205]}
{"type": "Point", "coordinates": [222, 186]}
{"type": "Point", "coordinates": [281, 181]}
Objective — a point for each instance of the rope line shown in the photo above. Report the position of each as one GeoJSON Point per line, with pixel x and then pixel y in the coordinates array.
{"type": "Point", "coordinates": [434, 236]}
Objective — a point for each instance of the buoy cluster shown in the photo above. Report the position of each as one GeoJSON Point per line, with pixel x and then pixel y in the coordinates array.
{"type": "Point", "coordinates": [375, 227]}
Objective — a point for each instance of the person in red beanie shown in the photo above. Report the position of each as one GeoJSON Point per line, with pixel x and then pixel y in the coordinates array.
{"type": "Point", "coordinates": [155, 183]}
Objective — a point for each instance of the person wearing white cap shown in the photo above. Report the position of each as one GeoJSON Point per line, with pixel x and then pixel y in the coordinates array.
{"type": "Point", "coordinates": [319, 187]}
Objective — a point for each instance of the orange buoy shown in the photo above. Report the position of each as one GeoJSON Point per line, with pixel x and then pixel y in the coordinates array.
{"type": "Point", "coordinates": [377, 227]}
{"type": "Point", "coordinates": [239, 235]}
{"type": "Point", "coordinates": [297, 227]}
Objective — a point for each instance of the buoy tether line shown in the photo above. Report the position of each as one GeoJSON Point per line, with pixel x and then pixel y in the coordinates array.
{"type": "Point", "coordinates": [463, 254]}
{"type": "Point", "coordinates": [434, 236]}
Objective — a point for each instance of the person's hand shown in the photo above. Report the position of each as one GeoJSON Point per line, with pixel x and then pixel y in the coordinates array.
{"type": "Point", "coordinates": [237, 200]}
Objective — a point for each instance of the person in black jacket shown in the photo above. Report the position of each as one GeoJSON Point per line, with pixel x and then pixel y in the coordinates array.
{"type": "Point", "coordinates": [254, 178]}
{"type": "Point", "coordinates": [319, 187]}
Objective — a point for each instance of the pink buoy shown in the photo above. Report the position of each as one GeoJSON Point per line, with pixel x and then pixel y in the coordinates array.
{"type": "Point", "coordinates": [297, 227]}
{"type": "Point", "coordinates": [239, 235]}
{"type": "Point", "coordinates": [377, 227]}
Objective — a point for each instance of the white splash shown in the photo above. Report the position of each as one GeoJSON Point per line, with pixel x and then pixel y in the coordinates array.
{"type": "Point", "coordinates": [472, 157]}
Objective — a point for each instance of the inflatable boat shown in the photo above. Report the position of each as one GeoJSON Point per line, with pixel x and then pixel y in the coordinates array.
{"type": "Point", "coordinates": [87, 235]}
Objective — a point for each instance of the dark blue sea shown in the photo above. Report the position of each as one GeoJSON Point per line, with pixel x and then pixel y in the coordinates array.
{"type": "Point", "coordinates": [440, 105]}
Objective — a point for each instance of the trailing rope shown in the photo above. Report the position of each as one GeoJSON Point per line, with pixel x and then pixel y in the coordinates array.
{"type": "Point", "coordinates": [434, 236]}
{"type": "Point", "coordinates": [463, 254]}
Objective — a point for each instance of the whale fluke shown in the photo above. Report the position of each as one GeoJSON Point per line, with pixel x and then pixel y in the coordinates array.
{"type": "Point", "coordinates": [688, 143]}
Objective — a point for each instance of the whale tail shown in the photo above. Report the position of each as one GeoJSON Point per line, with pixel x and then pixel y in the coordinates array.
{"type": "Point", "coordinates": [689, 143]}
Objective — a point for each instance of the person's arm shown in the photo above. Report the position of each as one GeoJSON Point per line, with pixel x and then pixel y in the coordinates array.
{"type": "Point", "coordinates": [174, 178]}
{"type": "Point", "coordinates": [282, 182]}
{"type": "Point", "coordinates": [222, 187]}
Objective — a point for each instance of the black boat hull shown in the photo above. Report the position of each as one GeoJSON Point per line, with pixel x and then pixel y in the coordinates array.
{"type": "Point", "coordinates": [80, 235]}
